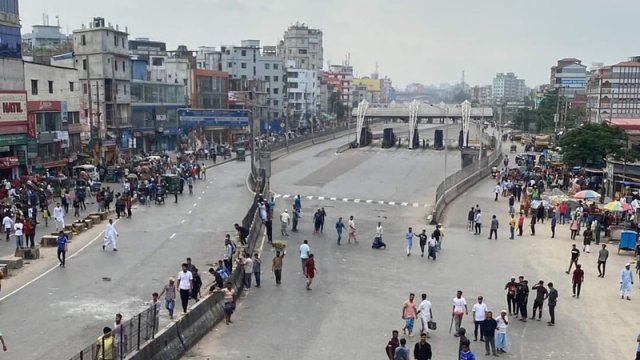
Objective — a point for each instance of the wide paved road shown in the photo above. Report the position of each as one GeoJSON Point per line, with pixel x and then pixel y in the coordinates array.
{"type": "Point", "coordinates": [62, 312]}
{"type": "Point", "coordinates": [358, 293]}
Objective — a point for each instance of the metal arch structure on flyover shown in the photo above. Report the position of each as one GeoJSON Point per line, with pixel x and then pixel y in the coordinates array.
{"type": "Point", "coordinates": [416, 111]}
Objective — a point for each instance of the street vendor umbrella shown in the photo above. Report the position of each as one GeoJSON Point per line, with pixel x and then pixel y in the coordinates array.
{"type": "Point", "coordinates": [558, 199]}
{"type": "Point", "coordinates": [617, 206]}
{"type": "Point", "coordinates": [132, 176]}
{"type": "Point", "coordinates": [586, 194]}
{"type": "Point", "coordinates": [536, 203]}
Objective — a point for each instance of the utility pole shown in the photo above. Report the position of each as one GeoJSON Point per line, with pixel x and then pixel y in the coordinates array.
{"type": "Point", "coordinates": [88, 84]}
{"type": "Point", "coordinates": [99, 143]}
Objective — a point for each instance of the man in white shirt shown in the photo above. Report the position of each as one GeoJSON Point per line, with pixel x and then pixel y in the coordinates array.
{"type": "Point", "coordinates": [284, 222]}
{"type": "Point", "coordinates": [58, 217]}
{"type": "Point", "coordinates": [351, 228]}
{"type": "Point", "coordinates": [432, 243]}
{"type": "Point", "coordinates": [247, 267]}
{"type": "Point", "coordinates": [501, 334]}
{"type": "Point", "coordinates": [479, 311]}
{"type": "Point", "coordinates": [185, 284]}
{"type": "Point", "coordinates": [18, 227]}
{"type": "Point", "coordinates": [228, 253]}
{"type": "Point", "coordinates": [305, 250]}
{"type": "Point", "coordinates": [110, 234]}
{"type": "Point", "coordinates": [424, 311]}
{"type": "Point", "coordinates": [7, 225]}
{"type": "Point", "coordinates": [497, 191]}
{"type": "Point", "coordinates": [477, 220]}
{"type": "Point", "coordinates": [459, 310]}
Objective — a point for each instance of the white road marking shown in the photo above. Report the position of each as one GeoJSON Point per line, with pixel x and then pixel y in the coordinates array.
{"type": "Point", "coordinates": [54, 267]}
{"type": "Point", "coordinates": [391, 202]}
{"type": "Point", "coordinates": [182, 221]}
{"type": "Point", "coordinates": [333, 199]}
{"type": "Point", "coordinates": [309, 197]}
{"type": "Point", "coordinates": [194, 204]}
{"type": "Point", "coordinates": [286, 196]}
{"type": "Point", "coordinates": [381, 202]}
{"type": "Point", "coordinates": [415, 204]}
{"type": "Point", "coordinates": [199, 197]}
{"type": "Point", "coordinates": [190, 211]}
{"type": "Point", "coordinates": [357, 201]}
{"type": "Point", "coordinates": [345, 199]}
{"type": "Point", "coordinates": [320, 197]}
{"type": "Point", "coordinates": [276, 196]}
{"type": "Point", "coordinates": [203, 191]}
{"type": "Point", "coordinates": [173, 235]}
{"type": "Point", "coordinates": [369, 201]}
{"type": "Point", "coordinates": [404, 204]}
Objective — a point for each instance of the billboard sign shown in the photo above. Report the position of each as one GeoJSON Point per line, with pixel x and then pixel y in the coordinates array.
{"type": "Point", "coordinates": [205, 117]}
{"type": "Point", "coordinates": [13, 106]}
{"type": "Point", "coordinates": [573, 83]}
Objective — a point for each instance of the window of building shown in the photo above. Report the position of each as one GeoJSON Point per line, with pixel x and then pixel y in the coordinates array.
{"type": "Point", "coordinates": [276, 114]}
{"type": "Point", "coordinates": [243, 77]}
{"type": "Point", "coordinates": [302, 61]}
{"type": "Point", "coordinates": [275, 102]}
{"type": "Point", "coordinates": [115, 40]}
{"type": "Point", "coordinates": [84, 64]}
{"type": "Point", "coordinates": [276, 90]}
{"type": "Point", "coordinates": [115, 64]}
{"type": "Point", "coordinates": [275, 66]}
{"type": "Point", "coordinates": [34, 87]}
{"type": "Point", "coordinates": [83, 40]}
{"type": "Point", "coordinates": [124, 66]}
{"type": "Point", "coordinates": [71, 86]}
{"type": "Point", "coordinates": [122, 42]}
{"type": "Point", "coordinates": [86, 113]}
{"type": "Point", "coordinates": [50, 87]}
{"type": "Point", "coordinates": [267, 78]}
{"type": "Point", "coordinates": [275, 79]}
{"type": "Point", "coordinates": [243, 52]}
{"type": "Point", "coordinates": [157, 61]}
{"type": "Point", "coordinates": [84, 88]}
{"type": "Point", "coordinates": [302, 51]}
{"type": "Point", "coordinates": [229, 65]}
{"type": "Point", "coordinates": [73, 117]}
{"type": "Point", "coordinates": [243, 65]}
{"type": "Point", "coordinates": [267, 66]}
{"type": "Point", "coordinates": [125, 89]}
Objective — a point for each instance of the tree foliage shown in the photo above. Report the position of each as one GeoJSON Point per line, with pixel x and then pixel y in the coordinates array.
{"type": "Point", "coordinates": [588, 145]}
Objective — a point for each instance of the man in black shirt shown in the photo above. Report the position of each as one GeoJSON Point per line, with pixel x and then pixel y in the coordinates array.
{"type": "Point", "coordinates": [541, 296]}
{"type": "Point", "coordinates": [422, 349]}
{"type": "Point", "coordinates": [489, 326]}
{"type": "Point", "coordinates": [553, 298]}
{"type": "Point", "coordinates": [470, 217]}
{"type": "Point", "coordinates": [575, 255]}
{"type": "Point", "coordinates": [522, 298]}
{"type": "Point", "coordinates": [423, 241]}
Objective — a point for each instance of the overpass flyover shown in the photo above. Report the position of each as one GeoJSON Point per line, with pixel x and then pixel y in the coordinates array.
{"type": "Point", "coordinates": [416, 112]}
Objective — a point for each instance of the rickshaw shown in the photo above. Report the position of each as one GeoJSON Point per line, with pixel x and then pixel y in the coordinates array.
{"type": "Point", "coordinates": [57, 184]}
{"type": "Point", "coordinates": [514, 148]}
{"type": "Point", "coordinates": [171, 183]}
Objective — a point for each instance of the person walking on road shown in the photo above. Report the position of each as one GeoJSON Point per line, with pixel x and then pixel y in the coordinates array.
{"type": "Point", "coordinates": [575, 255]}
{"type": "Point", "coordinates": [502, 341]}
{"type": "Point", "coordinates": [459, 310]}
{"type": "Point", "coordinates": [285, 218]}
{"type": "Point", "coordinates": [574, 227]}
{"type": "Point", "coordinates": [295, 218]}
{"type": "Point", "coordinates": [392, 345]}
{"type": "Point", "coordinates": [7, 225]}
{"type": "Point", "coordinates": [229, 302]}
{"type": "Point", "coordinates": [276, 266]}
{"type": "Point", "coordinates": [432, 245]}
{"type": "Point", "coordinates": [626, 282]}
{"type": "Point", "coordinates": [511, 287]}
{"type": "Point", "coordinates": [479, 312]}
{"type": "Point", "coordinates": [497, 190]}
{"type": "Point", "coordinates": [577, 280]}
{"type": "Point", "coordinates": [402, 352]}
{"type": "Point", "coordinates": [4, 344]}
{"type": "Point", "coordinates": [352, 231]}
{"type": "Point", "coordinates": [425, 313]}
{"type": "Point", "coordinates": [532, 224]}
{"type": "Point", "coordinates": [587, 239]}
{"type": "Point", "coordinates": [470, 217]}
{"type": "Point", "coordinates": [317, 221]}
{"type": "Point", "coordinates": [552, 302]}
{"type": "Point", "coordinates": [409, 312]}
{"type": "Point", "coordinates": [19, 233]}
{"type": "Point", "coordinates": [422, 349]}
{"type": "Point", "coordinates": [323, 216]}
{"type": "Point", "coordinates": [305, 251]}
{"type": "Point", "coordinates": [522, 298]}
{"type": "Point", "coordinates": [512, 227]}
{"type": "Point", "coordinates": [339, 227]}
{"type": "Point", "coordinates": [541, 295]}
{"type": "Point", "coordinates": [247, 268]}
{"type": "Point", "coordinates": [477, 220]}
{"type": "Point", "coordinates": [423, 241]}
{"type": "Point", "coordinates": [62, 247]}
{"type": "Point", "coordinates": [310, 270]}
{"type": "Point", "coordinates": [408, 240]}
{"type": "Point", "coordinates": [489, 327]}
{"type": "Point", "coordinates": [185, 284]}
{"type": "Point", "coordinates": [520, 223]}
{"type": "Point", "coordinates": [493, 231]}
{"type": "Point", "coordinates": [169, 292]}
{"type": "Point", "coordinates": [554, 221]}
{"type": "Point", "coordinates": [603, 255]}
{"type": "Point", "coordinates": [58, 217]}
{"type": "Point", "coordinates": [110, 234]}
{"type": "Point", "coordinates": [257, 262]}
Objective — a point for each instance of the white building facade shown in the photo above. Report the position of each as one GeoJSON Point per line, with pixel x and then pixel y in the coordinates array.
{"type": "Point", "coordinates": [507, 87]}
{"type": "Point", "coordinates": [303, 92]}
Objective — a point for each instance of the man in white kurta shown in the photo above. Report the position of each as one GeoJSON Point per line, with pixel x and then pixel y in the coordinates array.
{"type": "Point", "coordinates": [110, 235]}
{"type": "Point", "coordinates": [424, 311]}
{"type": "Point", "coordinates": [58, 216]}
{"type": "Point", "coordinates": [626, 282]}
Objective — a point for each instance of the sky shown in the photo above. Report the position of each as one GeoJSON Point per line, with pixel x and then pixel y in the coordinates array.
{"type": "Point", "coordinates": [424, 41]}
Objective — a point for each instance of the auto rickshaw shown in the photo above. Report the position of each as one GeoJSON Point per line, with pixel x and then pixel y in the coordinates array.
{"type": "Point", "coordinates": [513, 148]}
{"type": "Point", "coordinates": [171, 183]}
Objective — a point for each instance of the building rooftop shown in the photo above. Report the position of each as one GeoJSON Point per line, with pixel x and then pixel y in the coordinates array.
{"type": "Point", "coordinates": [626, 123]}
{"type": "Point", "coordinates": [628, 63]}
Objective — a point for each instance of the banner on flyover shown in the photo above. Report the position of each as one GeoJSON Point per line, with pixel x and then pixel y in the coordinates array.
{"type": "Point", "coordinates": [207, 117]}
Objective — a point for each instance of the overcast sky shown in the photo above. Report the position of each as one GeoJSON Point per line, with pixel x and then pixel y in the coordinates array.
{"type": "Point", "coordinates": [426, 41]}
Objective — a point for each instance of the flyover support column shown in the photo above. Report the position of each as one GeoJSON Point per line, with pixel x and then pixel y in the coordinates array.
{"type": "Point", "coordinates": [414, 107]}
{"type": "Point", "coordinates": [361, 113]}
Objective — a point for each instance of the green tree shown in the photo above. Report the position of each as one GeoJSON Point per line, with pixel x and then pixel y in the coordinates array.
{"type": "Point", "coordinates": [523, 118]}
{"type": "Point", "coordinates": [588, 145]}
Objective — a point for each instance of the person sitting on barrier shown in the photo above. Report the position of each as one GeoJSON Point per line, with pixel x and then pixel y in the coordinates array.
{"type": "Point", "coordinates": [218, 282]}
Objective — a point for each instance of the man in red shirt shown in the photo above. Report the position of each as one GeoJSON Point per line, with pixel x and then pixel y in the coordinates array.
{"type": "Point", "coordinates": [578, 278]}
{"type": "Point", "coordinates": [520, 224]}
{"type": "Point", "coordinates": [562, 210]}
{"type": "Point", "coordinates": [310, 270]}
{"type": "Point", "coordinates": [392, 345]}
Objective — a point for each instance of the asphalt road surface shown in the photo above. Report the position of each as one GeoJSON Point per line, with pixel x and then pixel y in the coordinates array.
{"type": "Point", "coordinates": [358, 293]}
{"type": "Point", "coordinates": [64, 311]}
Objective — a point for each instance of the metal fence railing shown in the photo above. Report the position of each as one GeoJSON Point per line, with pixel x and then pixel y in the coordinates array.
{"type": "Point", "coordinates": [124, 339]}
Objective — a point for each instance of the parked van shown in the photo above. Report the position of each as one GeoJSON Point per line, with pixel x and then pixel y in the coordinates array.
{"type": "Point", "coordinates": [90, 170]}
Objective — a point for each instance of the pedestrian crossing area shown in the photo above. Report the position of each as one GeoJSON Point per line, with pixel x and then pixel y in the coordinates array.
{"type": "Point", "coordinates": [356, 201]}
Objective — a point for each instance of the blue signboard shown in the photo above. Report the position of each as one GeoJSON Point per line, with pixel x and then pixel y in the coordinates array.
{"type": "Point", "coordinates": [64, 112]}
{"type": "Point", "coordinates": [573, 83]}
{"type": "Point", "coordinates": [225, 118]}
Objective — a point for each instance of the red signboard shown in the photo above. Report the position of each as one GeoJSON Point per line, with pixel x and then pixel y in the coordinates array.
{"type": "Point", "coordinates": [36, 106]}
{"type": "Point", "coordinates": [13, 106]}
{"type": "Point", "coordinates": [12, 129]}
{"type": "Point", "coordinates": [31, 126]}
{"type": "Point", "coordinates": [56, 164]}
{"type": "Point", "coordinates": [9, 162]}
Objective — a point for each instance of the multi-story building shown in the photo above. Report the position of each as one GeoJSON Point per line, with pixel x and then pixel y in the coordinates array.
{"type": "Point", "coordinates": [368, 89]}
{"type": "Point", "coordinates": [101, 55]}
{"type": "Point", "coordinates": [54, 106]}
{"type": "Point", "coordinates": [482, 95]}
{"type": "Point", "coordinates": [386, 90]}
{"type": "Point", "coordinates": [14, 128]}
{"type": "Point", "coordinates": [614, 91]}
{"type": "Point", "coordinates": [43, 42]}
{"type": "Point", "coordinates": [303, 92]}
{"type": "Point", "coordinates": [507, 87]}
{"type": "Point", "coordinates": [303, 46]}
{"type": "Point", "coordinates": [344, 73]}
{"type": "Point", "coordinates": [570, 76]}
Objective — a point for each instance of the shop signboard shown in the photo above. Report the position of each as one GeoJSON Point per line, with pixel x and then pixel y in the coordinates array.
{"type": "Point", "coordinates": [13, 139]}
{"type": "Point", "coordinates": [13, 106]}
{"type": "Point", "coordinates": [9, 162]}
